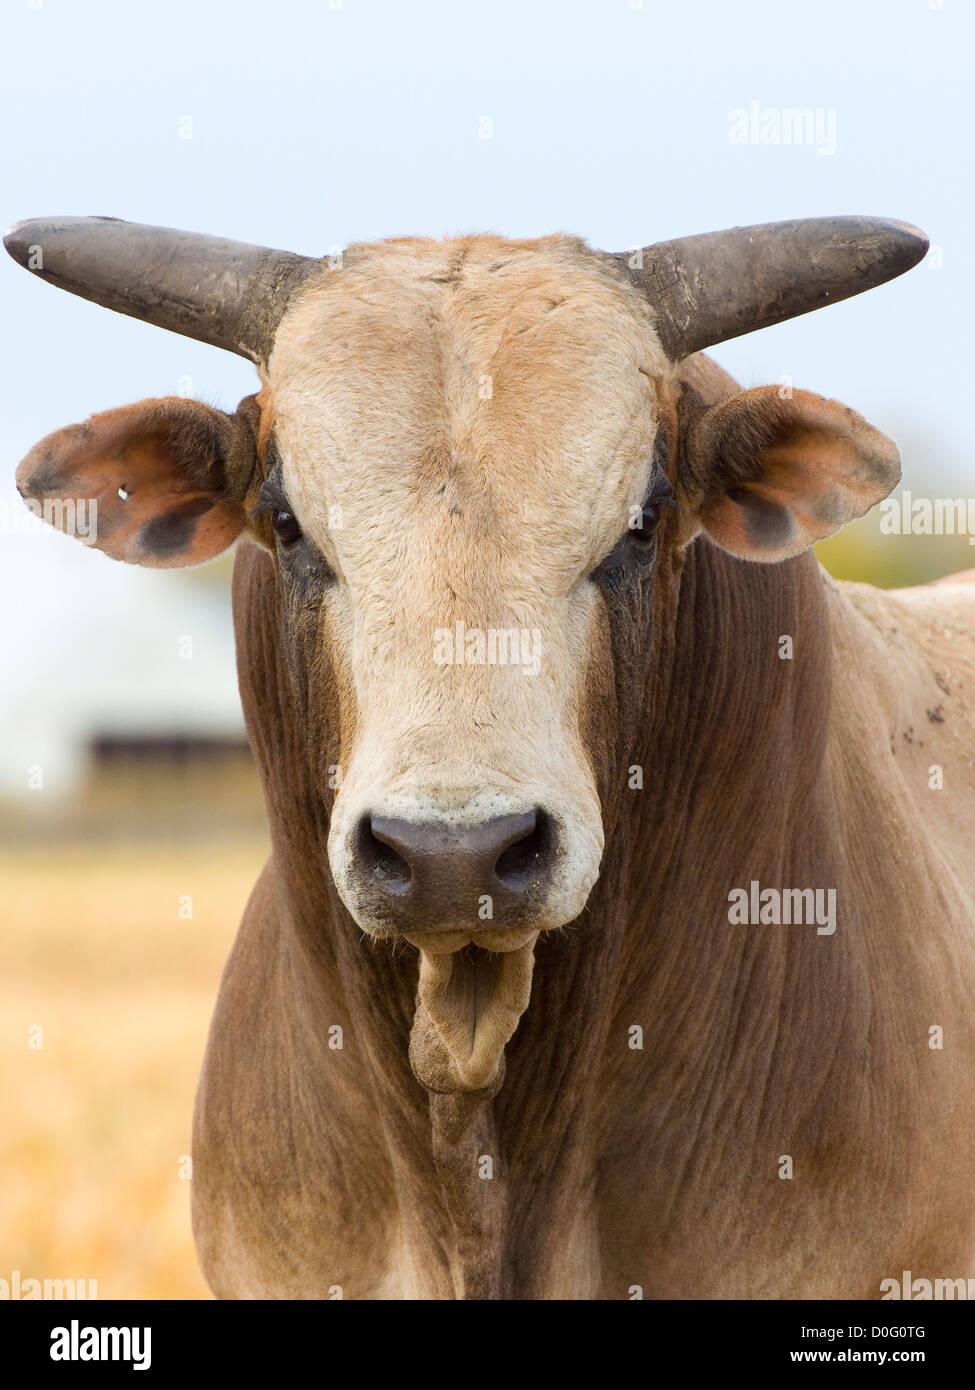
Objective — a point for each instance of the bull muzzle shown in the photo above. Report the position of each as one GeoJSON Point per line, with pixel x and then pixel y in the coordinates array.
{"type": "Point", "coordinates": [420, 877]}
{"type": "Point", "coordinates": [471, 886]}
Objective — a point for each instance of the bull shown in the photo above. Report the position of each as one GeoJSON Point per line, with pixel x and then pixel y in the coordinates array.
{"type": "Point", "coordinates": [569, 1069]}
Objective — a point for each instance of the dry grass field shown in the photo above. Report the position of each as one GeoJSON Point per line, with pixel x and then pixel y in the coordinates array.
{"type": "Point", "coordinates": [95, 1122]}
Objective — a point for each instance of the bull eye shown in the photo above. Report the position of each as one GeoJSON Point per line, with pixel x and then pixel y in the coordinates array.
{"type": "Point", "coordinates": [285, 525]}
{"type": "Point", "coordinates": [647, 523]}
{"type": "Point", "coordinates": [635, 547]}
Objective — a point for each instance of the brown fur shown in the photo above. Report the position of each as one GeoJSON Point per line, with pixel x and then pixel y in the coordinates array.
{"type": "Point", "coordinates": [655, 1167]}
{"type": "Point", "coordinates": [319, 1168]}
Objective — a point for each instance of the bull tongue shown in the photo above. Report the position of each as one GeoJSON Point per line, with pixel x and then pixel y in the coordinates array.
{"type": "Point", "coordinates": [469, 1004]}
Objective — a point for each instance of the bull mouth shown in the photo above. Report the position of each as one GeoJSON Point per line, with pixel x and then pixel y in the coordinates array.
{"type": "Point", "coordinates": [472, 994]}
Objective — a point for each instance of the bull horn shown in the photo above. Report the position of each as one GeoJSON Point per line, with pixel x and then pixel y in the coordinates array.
{"type": "Point", "coordinates": [706, 289]}
{"type": "Point", "coordinates": [226, 293]}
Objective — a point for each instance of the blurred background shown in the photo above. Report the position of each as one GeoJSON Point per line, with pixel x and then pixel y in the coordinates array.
{"type": "Point", "coordinates": [131, 826]}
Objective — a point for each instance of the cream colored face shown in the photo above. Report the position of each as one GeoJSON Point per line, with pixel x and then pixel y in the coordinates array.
{"type": "Point", "coordinates": [465, 447]}
{"type": "Point", "coordinates": [462, 430]}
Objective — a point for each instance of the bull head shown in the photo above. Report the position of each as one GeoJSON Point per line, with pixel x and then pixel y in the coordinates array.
{"type": "Point", "coordinates": [467, 460]}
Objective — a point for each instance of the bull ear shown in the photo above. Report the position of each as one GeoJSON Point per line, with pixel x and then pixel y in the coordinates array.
{"type": "Point", "coordinates": [171, 479]}
{"type": "Point", "coordinates": [774, 473]}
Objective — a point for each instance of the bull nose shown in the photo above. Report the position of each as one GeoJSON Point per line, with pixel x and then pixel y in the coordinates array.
{"type": "Point", "coordinates": [431, 875]}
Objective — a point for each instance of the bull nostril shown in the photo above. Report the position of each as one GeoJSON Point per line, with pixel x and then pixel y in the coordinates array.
{"type": "Point", "coordinates": [528, 855]}
{"type": "Point", "coordinates": [380, 857]}
{"type": "Point", "coordinates": [442, 872]}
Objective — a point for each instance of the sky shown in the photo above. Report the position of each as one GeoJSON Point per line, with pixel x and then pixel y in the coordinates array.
{"type": "Point", "coordinates": [310, 125]}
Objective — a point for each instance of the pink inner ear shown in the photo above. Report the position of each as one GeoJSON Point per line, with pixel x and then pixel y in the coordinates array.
{"type": "Point", "coordinates": [818, 466]}
{"type": "Point", "coordinates": [132, 465]}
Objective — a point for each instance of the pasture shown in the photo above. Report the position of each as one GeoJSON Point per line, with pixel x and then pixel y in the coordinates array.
{"type": "Point", "coordinates": [96, 1122]}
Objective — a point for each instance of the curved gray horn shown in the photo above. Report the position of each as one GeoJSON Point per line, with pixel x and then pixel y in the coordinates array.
{"type": "Point", "coordinates": [706, 289]}
{"type": "Point", "coordinates": [223, 292]}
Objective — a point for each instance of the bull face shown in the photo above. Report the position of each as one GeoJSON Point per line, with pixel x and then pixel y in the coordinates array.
{"type": "Point", "coordinates": [467, 458]}
{"type": "Point", "coordinates": [459, 438]}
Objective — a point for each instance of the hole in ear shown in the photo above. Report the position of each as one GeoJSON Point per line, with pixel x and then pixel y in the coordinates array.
{"type": "Point", "coordinates": [161, 483]}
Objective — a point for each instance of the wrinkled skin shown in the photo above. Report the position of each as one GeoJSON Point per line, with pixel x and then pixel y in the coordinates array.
{"type": "Point", "coordinates": [524, 1146]}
